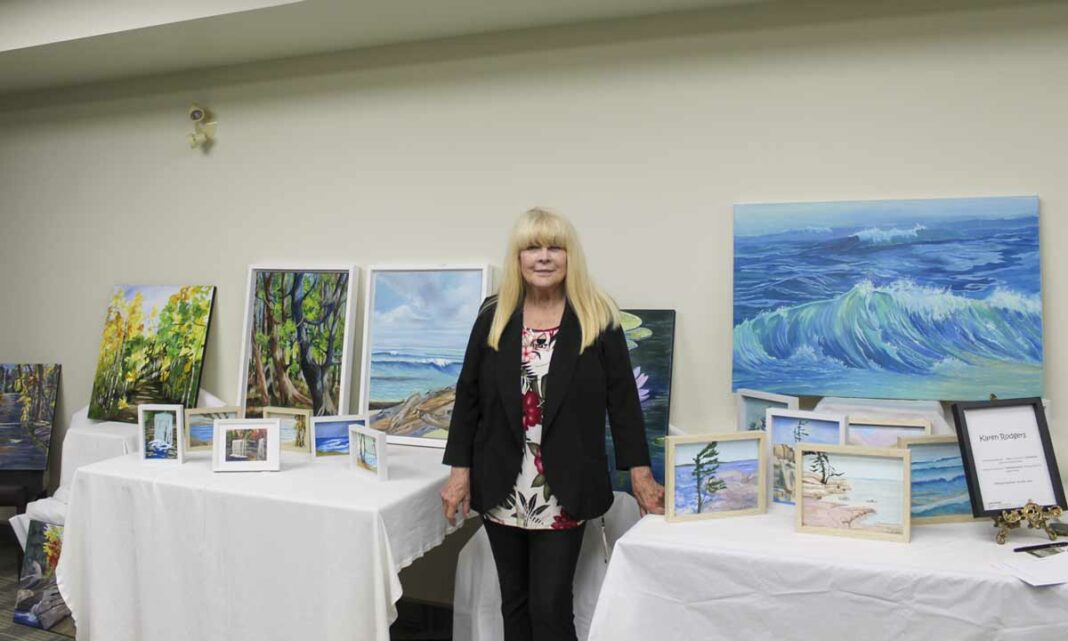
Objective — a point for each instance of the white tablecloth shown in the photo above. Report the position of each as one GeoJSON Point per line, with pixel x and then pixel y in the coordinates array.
{"type": "Point", "coordinates": [754, 578]}
{"type": "Point", "coordinates": [176, 552]}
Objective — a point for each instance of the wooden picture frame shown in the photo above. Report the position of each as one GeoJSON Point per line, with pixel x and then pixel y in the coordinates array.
{"type": "Point", "coordinates": [374, 464]}
{"type": "Point", "coordinates": [886, 430]}
{"type": "Point", "coordinates": [420, 361]}
{"type": "Point", "coordinates": [191, 413]}
{"type": "Point", "coordinates": [329, 448]}
{"type": "Point", "coordinates": [149, 411]}
{"type": "Point", "coordinates": [751, 474]}
{"type": "Point", "coordinates": [349, 316]}
{"type": "Point", "coordinates": [781, 450]}
{"type": "Point", "coordinates": [268, 455]}
{"type": "Point", "coordinates": [930, 484]}
{"type": "Point", "coordinates": [985, 424]}
{"type": "Point", "coordinates": [818, 516]}
{"type": "Point", "coordinates": [750, 404]}
{"type": "Point", "coordinates": [283, 414]}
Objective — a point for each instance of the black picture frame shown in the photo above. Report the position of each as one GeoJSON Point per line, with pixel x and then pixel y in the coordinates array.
{"type": "Point", "coordinates": [960, 409]}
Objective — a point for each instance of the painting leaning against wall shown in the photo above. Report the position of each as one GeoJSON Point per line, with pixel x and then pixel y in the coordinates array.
{"type": "Point", "coordinates": [917, 299]}
{"type": "Point", "coordinates": [27, 412]}
{"type": "Point", "coordinates": [38, 603]}
{"type": "Point", "coordinates": [152, 350]}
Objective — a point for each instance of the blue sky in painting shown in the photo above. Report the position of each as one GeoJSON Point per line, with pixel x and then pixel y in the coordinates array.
{"type": "Point", "coordinates": [734, 450]}
{"type": "Point", "coordinates": [424, 309]}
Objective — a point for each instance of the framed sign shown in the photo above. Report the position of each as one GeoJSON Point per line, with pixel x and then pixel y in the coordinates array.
{"type": "Point", "coordinates": [1008, 456]}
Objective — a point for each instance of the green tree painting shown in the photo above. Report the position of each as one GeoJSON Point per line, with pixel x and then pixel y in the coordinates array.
{"type": "Point", "coordinates": [297, 342]}
{"type": "Point", "coordinates": [705, 465]}
{"type": "Point", "coordinates": [28, 396]}
{"type": "Point", "coordinates": [152, 350]}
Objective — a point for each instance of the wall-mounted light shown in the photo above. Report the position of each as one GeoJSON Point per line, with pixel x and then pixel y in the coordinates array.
{"type": "Point", "coordinates": [204, 127]}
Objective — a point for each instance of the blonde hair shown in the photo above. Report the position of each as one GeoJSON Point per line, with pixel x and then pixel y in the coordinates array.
{"type": "Point", "coordinates": [541, 227]}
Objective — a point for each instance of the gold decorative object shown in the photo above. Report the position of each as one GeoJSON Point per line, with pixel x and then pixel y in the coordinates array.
{"type": "Point", "coordinates": [1036, 516]}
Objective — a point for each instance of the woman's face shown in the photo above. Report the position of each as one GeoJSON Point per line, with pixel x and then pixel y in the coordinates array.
{"type": "Point", "coordinates": [543, 268]}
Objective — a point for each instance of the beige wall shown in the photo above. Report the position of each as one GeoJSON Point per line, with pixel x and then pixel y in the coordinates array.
{"type": "Point", "coordinates": [425, 153]}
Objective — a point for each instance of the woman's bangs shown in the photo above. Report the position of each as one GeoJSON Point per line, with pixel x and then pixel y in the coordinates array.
{"type": "Point", "coordinates": [542, 231]}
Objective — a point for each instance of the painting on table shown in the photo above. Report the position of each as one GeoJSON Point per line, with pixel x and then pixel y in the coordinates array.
{"type": "Point", "coordinates": [939, 485]}
{"type": "Point", "coordinates": [883, 432]}
{"type": "Point", "coordinates": [715, 475]}
{"type": "Point", "coordinates": [152, 350]}
{"type": "Point", "coordinates": [295, 426]}
{"type": "Point", "coordinates": [200, 426]}
{"type": "Point", "coordinates": [38, 603]}
{"type": "Point", "coordinates": [651, 339]}
{"type": "Point", "coordinates": [753, 405]}
{"type": "Point", "coordinates": [368, 451]}
{"type": "Point", "coordinates": [330, 434]}
{"type": "Point", "coordinates": [246, 445]}
{"type": "Point", "coordinates": [28, 396]}
{"type": "Point", "coordinates": [787, 428]}
{"type": "Point", "coordinates": [853, 491]}
{"type": "Point", "coordinates": [885, 299]}
{"type": "Point", "coordinates": [296, 350]}
{"type": "Point", "coordinates": [160, 433]}
{"type": "Point", "coordinates": [416, 325]}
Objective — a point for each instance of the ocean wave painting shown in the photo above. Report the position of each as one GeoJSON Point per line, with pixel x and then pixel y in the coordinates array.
{"type": "Point", "coordinates": [917, 299]}
{"type": "Point", "coordinates": [939, 486]}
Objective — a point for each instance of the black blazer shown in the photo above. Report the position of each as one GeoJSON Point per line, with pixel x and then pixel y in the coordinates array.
{"type": "Point", "coordinates": [486, 431]}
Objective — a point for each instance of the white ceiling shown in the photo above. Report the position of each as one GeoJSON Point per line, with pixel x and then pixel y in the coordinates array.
{"type": "Point", "coordinates": [54, 43]}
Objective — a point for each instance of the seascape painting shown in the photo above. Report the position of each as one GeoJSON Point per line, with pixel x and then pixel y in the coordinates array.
{"type": "Point", "coordinates": [161, 430]}
{"type": "Point", "coordinates": [882, 435]}
{"type": "Point", "coordinates": [28, 396]}
{"type": "Point", "coordinates": [854, 492]}
{"type": "Point", "coordinates": [753, 406]}
{"type": "Point", "coordinates": [38, 603]}
{"type": "Point", "coordinates": [295, 428]}
{"type": "Point", "coordinates": [939, 486]}
{"type": "Point", "coordinates": [200, 427]}
{"type": "Point", "coordinates": [785, 432]}
{"type": "Point", "coordinates": [331, 434]}
{"type": "Point", "coordinates": [246, 445]}
{"type": "Point", "coordinates": [716, 476]}
{"type": "Point", "coordinates": [913, 299]}
{"type": "Point", "coordinates": [650, 337]}
{"type": "Point", "coordinates": [298, 337]}
{"type": "Point", "coordinates": [417, 326]}
{"type": "Point", "coordinates": [152, 350]}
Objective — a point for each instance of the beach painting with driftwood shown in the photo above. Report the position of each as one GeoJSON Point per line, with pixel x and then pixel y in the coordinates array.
{"type": "Point", "coordinates": [851, 491]}
{"type": "Point", "coordinates": [416, 328]}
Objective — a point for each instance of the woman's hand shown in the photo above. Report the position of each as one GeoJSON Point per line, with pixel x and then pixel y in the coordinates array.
{"type": "Point", "coordinates": [456, 493]}
{"type": "Point", "coordinates": [649, 493]}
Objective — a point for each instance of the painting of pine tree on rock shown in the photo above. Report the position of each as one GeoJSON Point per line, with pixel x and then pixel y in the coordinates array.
{"type": "Point", "coordinates": [716, 476]}
{"type": "Point", "coordinates": [152, 350]}
{"type": "Point", "coordinates": [297, 352]}
{"type": "Point", "coordinates": [27, 409]}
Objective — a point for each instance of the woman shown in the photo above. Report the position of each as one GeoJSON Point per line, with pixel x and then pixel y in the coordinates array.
{"type": "Point", "coordinates": [546, 361]}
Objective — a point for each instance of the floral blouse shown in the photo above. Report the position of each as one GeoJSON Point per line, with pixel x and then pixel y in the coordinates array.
{"type": "Point", "coordinates": [531, 504]}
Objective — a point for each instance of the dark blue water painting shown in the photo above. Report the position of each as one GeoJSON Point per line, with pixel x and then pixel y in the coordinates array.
{"type": "Point", "coordinates": [939, 487]}
{"type": "Point", "coordinates": [921, 299]}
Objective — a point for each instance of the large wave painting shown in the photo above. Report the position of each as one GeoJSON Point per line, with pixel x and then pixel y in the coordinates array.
{"type": "Point", "coordinates": [919, 299]}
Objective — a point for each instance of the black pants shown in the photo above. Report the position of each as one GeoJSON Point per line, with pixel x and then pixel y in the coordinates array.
{"type": "Point", "coordinates": [536, 569]}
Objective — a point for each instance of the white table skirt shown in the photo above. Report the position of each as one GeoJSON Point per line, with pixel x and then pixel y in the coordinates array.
{"type": "Point", "coordinates": [157, 552]}
{"type": "Point", "coordinates": [754, 578]}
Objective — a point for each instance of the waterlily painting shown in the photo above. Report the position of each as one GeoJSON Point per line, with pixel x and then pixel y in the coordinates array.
{"type": "Point", "coordinates": [650, 336]}
{"type": "Point", "coordinates": [916, 299]}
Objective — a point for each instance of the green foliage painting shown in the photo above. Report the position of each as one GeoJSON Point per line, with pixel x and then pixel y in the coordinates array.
{"type": "Point", "coordinates": [296, 350]}
{"type": "Point", "coordinates": [27, 409]}
{"type": "Point", "coordinates": [152, 350]}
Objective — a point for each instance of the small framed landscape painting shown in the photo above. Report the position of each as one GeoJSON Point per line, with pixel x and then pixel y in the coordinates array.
{"type": "Point", "coordinates": [861, 492]}
{"type": "Point", "coordinates": [939, 485]}
{"type": "Point", "coordinates": [869, 431]}
{"type": "Point", "coordinates": [716, 475]}
{"type": "Point", "coordinates": [787, 428]}
{"type": "Point", "coordinates": [753, 406]}
{"type": "Point", "coordinates": [200, 426]}
{"type": "Point", "coordinates": [368, 451]}
{"type": "Point", "coordinates": [246, 445]}
{"type": "Point", "coordinates": [160, 434]}
{"type": "Point", "coordinates": [330, 434]}
{"type": "Point", "coordinates": [295, 426]}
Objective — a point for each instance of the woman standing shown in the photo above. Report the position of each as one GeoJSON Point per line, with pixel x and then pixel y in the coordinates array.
{"type": "Point", "coordinates": [546, 362]}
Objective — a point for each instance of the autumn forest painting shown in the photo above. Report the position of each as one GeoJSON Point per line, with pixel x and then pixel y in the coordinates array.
{"type": "Point", "coordinates": [27, 409]}
{"type": "Point", "coordinates": [152, 350]}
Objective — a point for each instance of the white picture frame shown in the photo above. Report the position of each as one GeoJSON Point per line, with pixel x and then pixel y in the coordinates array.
{"type": "Point", "coordinates": [174, 432]}
{"type": "Point", "coordinates": [362, 434]}
{"type": "Point", "coordinates": [272, 448]}
{"type": "Point", "coordinates": [367, 346]}
{"type": "Point", "coordinates": [751, 403]}
{"type": "Point", "coordinates": [330, 449]}
{"type": "Point", "coordinates": [350, 318]}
